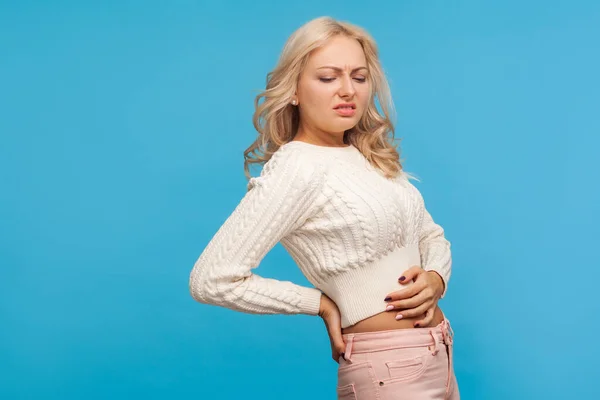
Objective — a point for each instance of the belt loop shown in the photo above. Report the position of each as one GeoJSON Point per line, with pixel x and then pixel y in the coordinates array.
{"type": "Point", "coordinates": [447, 332]}
{"type": "Point", "coordinates": [348, 350]}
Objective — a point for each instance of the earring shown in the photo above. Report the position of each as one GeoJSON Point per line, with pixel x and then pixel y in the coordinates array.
{"type": "Point", "coordinates": [294, 102]}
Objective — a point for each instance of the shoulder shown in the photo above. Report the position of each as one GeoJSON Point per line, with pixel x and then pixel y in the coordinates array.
{"type": "Point", "coordinates": [404, 177]}
{"type": "Point", "coordinates": [292, 166]}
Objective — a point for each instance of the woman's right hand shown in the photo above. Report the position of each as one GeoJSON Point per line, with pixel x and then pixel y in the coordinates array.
{"type": "Point", "coordinates": [330, 313]}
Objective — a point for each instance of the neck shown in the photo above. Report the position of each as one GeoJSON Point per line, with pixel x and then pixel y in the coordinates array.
{"type": "Point", "coordinates": [320, 138]}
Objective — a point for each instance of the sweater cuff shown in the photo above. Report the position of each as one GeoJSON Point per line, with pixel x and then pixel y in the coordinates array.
{"type": "Point", "coordinates": [310, 300]}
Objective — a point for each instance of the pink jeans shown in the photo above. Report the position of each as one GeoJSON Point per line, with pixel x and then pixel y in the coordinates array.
{"type": "Point", "coordinates": [398, 364]}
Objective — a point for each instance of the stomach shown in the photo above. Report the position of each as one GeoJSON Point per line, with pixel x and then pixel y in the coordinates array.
{"type": "Point", "coordinates": [386, 320]}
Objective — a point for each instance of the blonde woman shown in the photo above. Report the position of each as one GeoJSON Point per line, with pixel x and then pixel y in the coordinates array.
{"type": "Point", "coordinates": [332, 190]}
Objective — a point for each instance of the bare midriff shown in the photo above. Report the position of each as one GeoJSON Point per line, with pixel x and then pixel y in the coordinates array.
{"type": "Point", "coordinates": [386, 320]}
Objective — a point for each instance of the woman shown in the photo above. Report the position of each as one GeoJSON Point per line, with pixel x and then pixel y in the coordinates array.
{"type": "Point", "coordinates": [333, 191]}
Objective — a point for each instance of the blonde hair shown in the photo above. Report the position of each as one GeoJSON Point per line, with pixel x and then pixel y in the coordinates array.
{"type": "Point", "coordinates": [277, 121]}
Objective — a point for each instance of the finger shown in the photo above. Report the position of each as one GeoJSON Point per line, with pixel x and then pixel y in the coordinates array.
{"type": "Point", "coordinates": [335, 354]}
{"type": "Point", "coordinates": [334, 331]}
{"type": "Point", "coordinates": [408, 292]}
{"type": "Point", "coordinates": [412, 302]}
{"type": "Point", "coordinates": [340, 350]}
{"type": "Point", "coordinates": [414, 312]}
{"type": "Point", "coordinates": [426, 294]}
{"type": "Point", "coordinates": [337, 351]}
{"type": "Point", "coordinates": [410, 274]}
{"type": "Point", "coordinates": [427, 319]}
{"type": "Point", "coordinates": [337, 341]}
{"type": "Point", "coordinates": [338, 356]}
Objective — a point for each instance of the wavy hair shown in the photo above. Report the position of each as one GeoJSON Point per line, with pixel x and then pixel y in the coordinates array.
{"type": "Point", "coordinates": [277, 121]}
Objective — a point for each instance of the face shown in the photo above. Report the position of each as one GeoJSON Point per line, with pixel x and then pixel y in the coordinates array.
{"type": "Point", "coordinates": [335, 73]}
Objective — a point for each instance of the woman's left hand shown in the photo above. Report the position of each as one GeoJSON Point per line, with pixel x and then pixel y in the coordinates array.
{"type": "Point", "coordinates": [421, 298]}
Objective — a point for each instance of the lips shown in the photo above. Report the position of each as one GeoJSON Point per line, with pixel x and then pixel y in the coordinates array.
{"type": "Point", "coordinates": [346, 106]}
{"type": "Point", "coordinates": [345, 111]}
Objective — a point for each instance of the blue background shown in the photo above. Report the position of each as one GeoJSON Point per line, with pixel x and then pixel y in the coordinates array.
{"type": "Point", "coordinates": [123, 126]}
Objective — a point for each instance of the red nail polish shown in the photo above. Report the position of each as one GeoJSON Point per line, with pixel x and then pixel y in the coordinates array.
{"type": "Point", "coordinates": [416, 325]}
{"type": "Point", "coordinates": [387, 298]}
{"type": "Point", "coordinates": [402, 278]}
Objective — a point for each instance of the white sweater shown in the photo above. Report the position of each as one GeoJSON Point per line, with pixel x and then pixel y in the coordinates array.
{"type": "Point", "coordinates": [351, 231]}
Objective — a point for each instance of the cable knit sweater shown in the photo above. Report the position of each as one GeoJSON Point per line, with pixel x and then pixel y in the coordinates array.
{"type": "Point", "coordinates": [351, 231]}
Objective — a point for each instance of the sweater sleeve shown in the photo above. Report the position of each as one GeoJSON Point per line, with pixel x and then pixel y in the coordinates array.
{"type": "Point", "coordinates": [435, 249]}
{"type": "Point", "coordinates": [276, 203]}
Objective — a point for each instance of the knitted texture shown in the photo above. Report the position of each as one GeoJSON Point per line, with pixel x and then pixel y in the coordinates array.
{"type": "Point", "coordinates": [335, 214]}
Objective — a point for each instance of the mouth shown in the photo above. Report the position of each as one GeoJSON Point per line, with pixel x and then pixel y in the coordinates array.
{"type": "Point", "coordinates": [345, 110]}
{"type": "Point", "coordinates": [345, 106]}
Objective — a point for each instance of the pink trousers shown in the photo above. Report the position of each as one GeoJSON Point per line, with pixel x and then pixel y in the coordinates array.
{"type": "Point", "coordinates": [398, 364]}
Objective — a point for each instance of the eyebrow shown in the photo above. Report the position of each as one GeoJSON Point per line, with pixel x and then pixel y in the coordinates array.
{"type": "Point", "coordinates": [339, 69]}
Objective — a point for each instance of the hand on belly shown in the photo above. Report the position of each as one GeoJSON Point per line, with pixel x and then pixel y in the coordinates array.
{"type": "Point", "coordinates": [411, 307]}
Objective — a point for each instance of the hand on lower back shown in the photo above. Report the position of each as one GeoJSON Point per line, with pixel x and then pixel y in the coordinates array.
{"type": "Point", "coordinates": [330, 314]}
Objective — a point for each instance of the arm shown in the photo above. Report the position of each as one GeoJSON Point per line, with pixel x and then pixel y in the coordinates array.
{"type": "Point", "coordinates": [277, 202]}
{"type": "Point", "coordinates": [435, 250]}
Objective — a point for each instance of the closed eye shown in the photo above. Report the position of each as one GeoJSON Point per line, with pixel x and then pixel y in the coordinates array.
{"type": "Point", "coordinates": [327, 80]}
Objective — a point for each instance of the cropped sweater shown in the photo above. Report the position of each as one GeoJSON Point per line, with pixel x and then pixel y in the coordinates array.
{"type": "Point", "coordinates": [351, 231]}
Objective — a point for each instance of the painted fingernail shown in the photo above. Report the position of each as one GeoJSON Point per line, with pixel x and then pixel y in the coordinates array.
{"type": "Point", "coordinates": [416, 325]}
{"type": "Point", "coordinates": [390, 307]}
{"type": "Point", "coordinates": [387, 298]}
{"type": "Point", "coordinates": [399, 316]}
{"type": "Point", "coordinates": [402, 278]}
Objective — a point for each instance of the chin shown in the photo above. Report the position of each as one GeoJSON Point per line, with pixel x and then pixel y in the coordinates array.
{"type": "Point", "coordinates": [342, 126]}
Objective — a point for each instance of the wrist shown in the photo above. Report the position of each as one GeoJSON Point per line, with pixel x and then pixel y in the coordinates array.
{"type": "Point", "coordinates": [441, 284]}
{"type": "Point", "coordinates": [327, 306]}
{"type": "Point", "coordinates": [322, 305]}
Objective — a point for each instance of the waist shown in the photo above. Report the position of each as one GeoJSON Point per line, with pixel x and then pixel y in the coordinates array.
{"type": "Point", "coordinates": [386, 320]}
{"type": "Point", "coordinates": [365, 342]}
{"type": "Point", "coordinates": [359, 293]}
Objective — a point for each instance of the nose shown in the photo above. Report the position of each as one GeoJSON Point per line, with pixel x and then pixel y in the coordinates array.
{"type": "Point", "coordinates": [347, 88]}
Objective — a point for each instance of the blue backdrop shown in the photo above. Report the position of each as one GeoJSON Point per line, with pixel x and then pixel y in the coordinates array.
{"type": "Point", "coordinates": [123, 126]}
